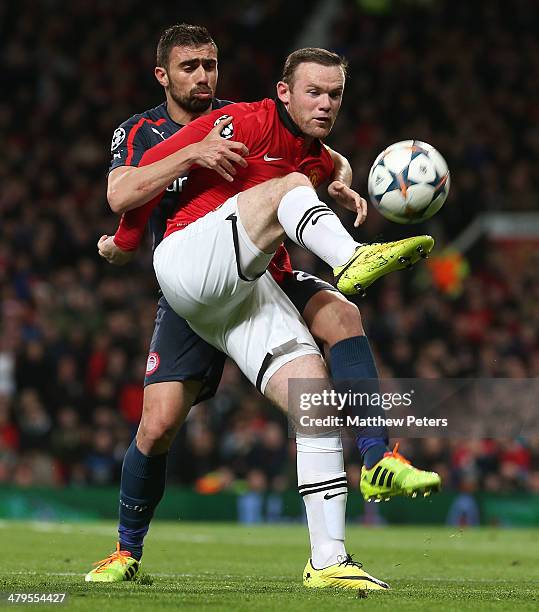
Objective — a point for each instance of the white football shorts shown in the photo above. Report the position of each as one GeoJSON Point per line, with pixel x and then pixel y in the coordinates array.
{"type": "Point", "coordinates": [201, 271]}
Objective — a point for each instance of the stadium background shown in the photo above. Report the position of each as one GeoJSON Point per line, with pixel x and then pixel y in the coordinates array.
{"type": "Point", "coordinates": [74, 330]}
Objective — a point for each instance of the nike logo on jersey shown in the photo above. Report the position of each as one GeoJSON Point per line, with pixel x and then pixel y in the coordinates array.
{"type": "Point", "coordinates": [162, 134]}
{"type": "Point", "coordinates": [328, 496]}
{"type": "Point", "coordinates": [270, 159]}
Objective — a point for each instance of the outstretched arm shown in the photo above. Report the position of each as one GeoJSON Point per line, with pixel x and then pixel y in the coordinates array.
{"type": "Point", "coordinates": [339, 189]}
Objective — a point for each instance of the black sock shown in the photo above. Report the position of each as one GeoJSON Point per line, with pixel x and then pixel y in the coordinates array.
{"type": "Point", "coordinates": [141, 489]}
{"type": "Point", "coordinates": [352, 361]}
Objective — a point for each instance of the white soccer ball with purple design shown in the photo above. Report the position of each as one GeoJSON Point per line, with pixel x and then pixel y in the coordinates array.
{"type": "Point", "coordinates": [409, 182]}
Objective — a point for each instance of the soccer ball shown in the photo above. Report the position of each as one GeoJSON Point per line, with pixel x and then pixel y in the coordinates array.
{"type": "Point", "coordinates": [409, 182]}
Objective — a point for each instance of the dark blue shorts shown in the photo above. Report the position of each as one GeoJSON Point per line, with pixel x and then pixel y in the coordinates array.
{"type": "Point", "coordinates": [178, 354]}
{"type": "Point", "coordinates": [300, 288]}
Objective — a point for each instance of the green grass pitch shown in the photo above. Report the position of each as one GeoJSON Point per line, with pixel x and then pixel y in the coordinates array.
{"type": "Point", "coordinates": [222, 567]}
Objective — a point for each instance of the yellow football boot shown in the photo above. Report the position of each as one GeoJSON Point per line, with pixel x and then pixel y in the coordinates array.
{"type": "Point", "coordinates": [348, 574]}
{"type": "Point", "coordinates": [371, 261]}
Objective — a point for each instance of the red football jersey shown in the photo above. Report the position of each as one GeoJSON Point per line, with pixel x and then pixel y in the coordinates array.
{"type": "Point", "coordinates": [276, 148]}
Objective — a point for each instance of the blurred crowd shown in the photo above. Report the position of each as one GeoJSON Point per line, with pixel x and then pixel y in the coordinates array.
{"type": "Point", "coordinates": [74, 331]}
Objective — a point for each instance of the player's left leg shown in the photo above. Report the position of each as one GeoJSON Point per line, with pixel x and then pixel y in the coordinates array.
{"type": "Point", "coordinates": [323, 485]}
{"type": "Point", "coordinates": [182, 369]}
{"type": "Point", "coordinates": [336, 323]}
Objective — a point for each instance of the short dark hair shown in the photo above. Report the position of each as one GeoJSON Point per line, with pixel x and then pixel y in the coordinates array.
{"type": "Point", "coordinates": [181, 35]}
{"type": "Point", "coordinates": [313, 55]}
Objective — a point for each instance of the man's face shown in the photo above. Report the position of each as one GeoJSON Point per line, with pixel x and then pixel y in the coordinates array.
{"type": "Point", "coordinates": [315, 97]}
{"type": "Point", "coordinates": [191, 77]}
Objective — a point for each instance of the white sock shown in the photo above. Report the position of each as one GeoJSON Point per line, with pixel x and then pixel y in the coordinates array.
{"type": "Point", "coordinates": [314, 226]}
{"type": "Point", "coordinates": [322, 484]}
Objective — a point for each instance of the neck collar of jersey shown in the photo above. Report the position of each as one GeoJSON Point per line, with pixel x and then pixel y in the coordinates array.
{"type": "Point", "coordinates": [165, 106]}
{"type": "Point", "coordinates": [287, 120]}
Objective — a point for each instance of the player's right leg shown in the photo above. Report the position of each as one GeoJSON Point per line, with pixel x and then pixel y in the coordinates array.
{"type": "Point", "coordinates": [182, 369]}
{"type": "Point", "coordinates": [165, 407]}
{"type": "Point", "coordinates": [289, 205]}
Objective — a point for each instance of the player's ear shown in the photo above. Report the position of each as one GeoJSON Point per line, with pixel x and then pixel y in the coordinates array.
{"type": "Point", "coordinates": [161, 76]}
{"type": "Point", "coordinates": [283, 92]}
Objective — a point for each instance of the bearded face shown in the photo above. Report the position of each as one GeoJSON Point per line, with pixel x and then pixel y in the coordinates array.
{"type": "Point", "coordinates": [196, 101]}
{"type": "Point", "coordinates": [192, 77]}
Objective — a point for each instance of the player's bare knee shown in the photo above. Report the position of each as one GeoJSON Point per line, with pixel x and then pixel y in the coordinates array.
{"type": "Point", "coordinates": [293, 180]}
{"type": "Point", "coordinates": [348, 316]}
{"type": "Point", "coordinates": [155, 436]}
{"type": "Point", "coordinates": [332, 318]}
{"type": "Point", "coordinates": [156, 430]}
{"type": "Point", "coordinates": [279, 187]}
{"type": "Point", "coordinates": [342, 320]}
{"type": "Point", "coordinates": [298, 179]}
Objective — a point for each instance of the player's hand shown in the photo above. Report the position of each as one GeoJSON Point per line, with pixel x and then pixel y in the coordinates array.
{"type": "Point", "coordinates": [112, 253]}
{"type": "Point", "coordinates": [349, 199]}
{"type": "Point", "coordinates": [219, 154]}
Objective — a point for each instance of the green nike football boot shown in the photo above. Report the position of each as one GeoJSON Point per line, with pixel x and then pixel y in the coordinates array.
{"type": "Point", "coordinates": [394, 475]}
{"type": "Point", "coordinates": [371, 261]}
